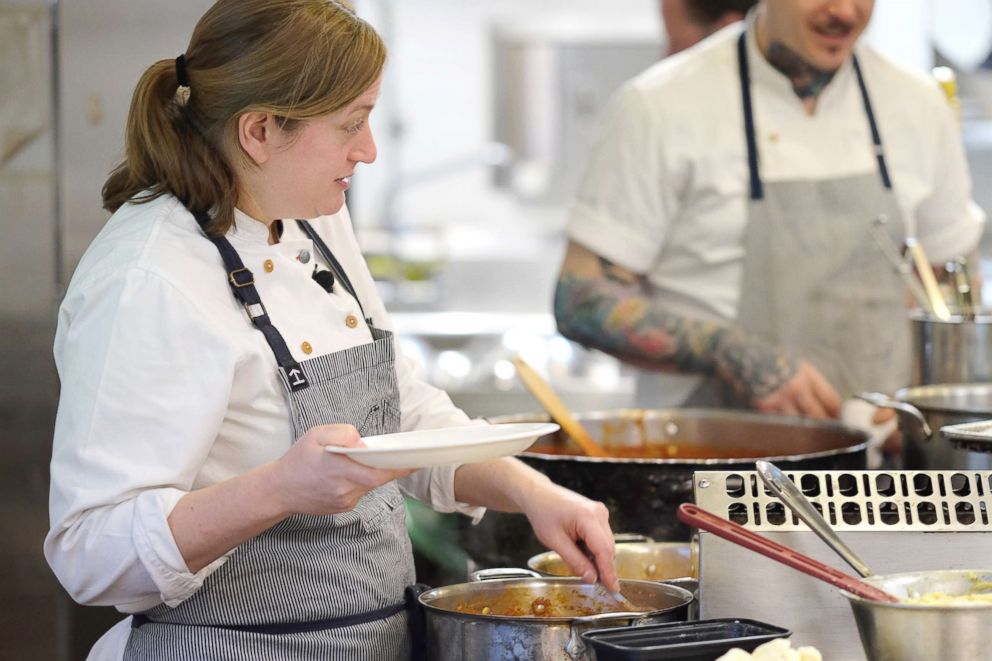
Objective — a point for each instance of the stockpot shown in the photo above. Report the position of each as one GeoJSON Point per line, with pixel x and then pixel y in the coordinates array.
{"type": "Point", "coordinates": [923, 410]}
{"type": "Point", "coordinates": [642, 494]}
{"type": "Point", "coordinates": [955, 350]}
{"type": "Point", "coordinates": [457, 629]}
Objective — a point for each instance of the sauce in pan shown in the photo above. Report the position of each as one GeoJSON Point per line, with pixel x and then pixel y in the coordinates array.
{"type": "Point", "coordinates": [630, 438]}
{"type": "Point", "coordinates": [521, 601]}
{"type": "Point", "coordinates": [660, 450]}
{"type": "Point", "coordinates": [555, 606]}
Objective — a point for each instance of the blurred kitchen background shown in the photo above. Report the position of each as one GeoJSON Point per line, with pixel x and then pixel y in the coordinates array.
{"type": "Point", "coordinates": [487, 110]}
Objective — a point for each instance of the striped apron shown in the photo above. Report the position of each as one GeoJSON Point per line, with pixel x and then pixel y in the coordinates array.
{"type": "Point", "coordinates": [311, 587]}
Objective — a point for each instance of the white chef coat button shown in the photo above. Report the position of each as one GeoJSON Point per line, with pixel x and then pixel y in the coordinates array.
{"type": "Point", "coordinates": [351, 321]}
{"type": "Point", "coordinates": [307, 349]}
{"type": "Point", "coordinates": [304, 256]}
{"type": "Point", "coordinates": [773, 137]}
{"type": "Point", "coordinates": [268, 266]}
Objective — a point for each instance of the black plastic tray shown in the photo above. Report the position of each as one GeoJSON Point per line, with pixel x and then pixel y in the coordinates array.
{"type": "Point", "coordinates": [703, 640]}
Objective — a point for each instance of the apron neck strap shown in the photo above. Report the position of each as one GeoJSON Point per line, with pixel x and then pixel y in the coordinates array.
{"type": "Point", "coordinates": [750, 135]}
{"type": "Point", "coordinates": [876, 138]}
{"type": "Point", "coordinates": [242, 283]}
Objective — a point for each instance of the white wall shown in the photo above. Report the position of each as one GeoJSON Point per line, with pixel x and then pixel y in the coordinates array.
{"type": "Point", "coordinates": [435, 115]}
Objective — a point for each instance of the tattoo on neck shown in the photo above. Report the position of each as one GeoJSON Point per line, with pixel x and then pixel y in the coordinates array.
{"type": "Point", "coordinates": [807, 80]}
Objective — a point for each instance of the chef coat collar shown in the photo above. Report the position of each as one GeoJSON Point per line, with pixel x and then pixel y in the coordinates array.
{"type": "Point", "coordinates": [768, 77]}
{"type": "Point", "coordinates": [247, 229]}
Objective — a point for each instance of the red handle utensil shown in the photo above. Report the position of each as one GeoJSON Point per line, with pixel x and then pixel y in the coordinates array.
{"type": "Point", "coordinates": [737, 534]}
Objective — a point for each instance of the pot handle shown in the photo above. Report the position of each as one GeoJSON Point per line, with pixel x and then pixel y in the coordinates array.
{"type": "Point", "coordinates": [497, 573]}
{"type": "Point", "coordinates": [630, 538]}
{"type": "Point", "coordinates": [883, 401]}
{"type": "Point", "coordinates": [576, 647]}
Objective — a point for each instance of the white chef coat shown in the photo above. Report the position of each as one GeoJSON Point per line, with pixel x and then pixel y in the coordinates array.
{"type": "Point", "coordinates": [167, 388]}
{"type": "Point", "coordinates": [666, 191]}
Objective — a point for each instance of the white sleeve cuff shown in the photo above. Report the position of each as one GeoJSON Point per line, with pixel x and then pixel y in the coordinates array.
{"type": "Point", "coordinates": [613, 240]}
{"type": "Point", "coordinates": [157, 550]}
{"type": "Point", "coordinates": [442, 489]}
{"type": "Point", "coordinates": [435, 486]}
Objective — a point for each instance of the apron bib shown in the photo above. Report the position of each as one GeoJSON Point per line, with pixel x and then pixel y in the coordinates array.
{"type": "Point", "coordinates": [814, 281]}
{"type": "Point", "coordinates": [311, 587]}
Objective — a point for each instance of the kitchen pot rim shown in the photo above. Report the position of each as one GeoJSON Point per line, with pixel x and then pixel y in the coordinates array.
{"type": "Point", "coordinates": [736, 415]}
{"type": "Point", "coordinates": [913, 395]}
{"type": "Point", "coordinates": [877, 579]}
{"type": "Point", "coordinates": [982, 316]}
{"type": "Point", "coordinates": [672, 590]}
{"type": "Point", "coordinates": [712, 461]}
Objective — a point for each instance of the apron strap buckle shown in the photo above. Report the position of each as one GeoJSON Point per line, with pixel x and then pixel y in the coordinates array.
{"type": "Point", "coordinates": [255, 310]}
{"type": "Point", "coordinates": [241, 277]}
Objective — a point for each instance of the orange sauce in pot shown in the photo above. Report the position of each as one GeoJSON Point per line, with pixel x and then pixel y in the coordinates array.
{"type": "Point", "coordinates": [659, 450]}
{"type": "Point", "coordinates": [617, 434]}
{"type": "Point", "coordinates": [513, 604]}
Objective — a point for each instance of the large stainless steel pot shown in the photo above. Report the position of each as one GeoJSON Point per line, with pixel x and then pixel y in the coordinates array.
{"type": "Point", "coordinates": [642, 494]}
{"type": "Point", "coordinates": [913, 632]}
{"type": "Point", "coordinates": [958, 350]}
{"type": "Point", "coordinates": [457, 629]}
{"type": "Point", "coordinates": [923, 410]}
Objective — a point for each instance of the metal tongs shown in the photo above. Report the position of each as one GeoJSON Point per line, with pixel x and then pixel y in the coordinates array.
{"type": "Point", "coordinates": [795, 500]}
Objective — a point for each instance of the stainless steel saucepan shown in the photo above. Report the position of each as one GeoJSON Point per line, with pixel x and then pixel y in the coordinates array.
{"type": "Point", "coordinates": [923, 410]}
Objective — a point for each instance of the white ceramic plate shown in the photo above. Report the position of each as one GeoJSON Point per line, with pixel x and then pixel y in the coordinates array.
{"type": "Point", "coordinates": [449, 445]}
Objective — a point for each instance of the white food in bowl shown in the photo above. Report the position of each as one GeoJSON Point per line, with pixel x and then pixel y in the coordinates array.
{"type": "Point", "coordinates": [775, 650]}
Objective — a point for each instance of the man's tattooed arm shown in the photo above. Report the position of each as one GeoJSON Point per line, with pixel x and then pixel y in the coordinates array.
{"type": "Point", "coordinates": [604, 306]}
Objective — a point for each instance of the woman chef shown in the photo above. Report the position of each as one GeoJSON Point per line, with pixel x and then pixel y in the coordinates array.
{"type": "Point", "coordinates": [204, 368]}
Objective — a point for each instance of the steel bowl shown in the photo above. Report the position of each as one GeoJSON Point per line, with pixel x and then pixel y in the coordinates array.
{"type": "Point", "coordinates": [916, 632]}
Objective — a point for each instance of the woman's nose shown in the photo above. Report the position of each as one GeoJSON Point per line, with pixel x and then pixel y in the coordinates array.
{"type": "Point", "coordinates": [365, 149]}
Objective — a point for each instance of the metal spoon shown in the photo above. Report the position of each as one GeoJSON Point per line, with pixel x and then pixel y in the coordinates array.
{"type": "Point", "coordinates": [600, 587]}
{"type": "Point", "coordinates": [794, 499]}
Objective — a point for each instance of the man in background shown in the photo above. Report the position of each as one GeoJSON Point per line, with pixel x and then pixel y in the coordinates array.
{"type": "Point", "coordinates": [722, 235]}
{"type": "Point", "coordinates": [687, 22]}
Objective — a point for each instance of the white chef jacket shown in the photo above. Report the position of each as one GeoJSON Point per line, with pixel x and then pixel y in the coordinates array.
{"type": "Point", "coordinates": [167, 388]}
{"type": "Point", "coordinates": [666, 190]}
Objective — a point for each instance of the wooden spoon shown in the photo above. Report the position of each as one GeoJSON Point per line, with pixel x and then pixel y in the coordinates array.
{"type": "Point", "coordinates": [925, 271]}
{"type": "Point", "coordinates": [556, 408]}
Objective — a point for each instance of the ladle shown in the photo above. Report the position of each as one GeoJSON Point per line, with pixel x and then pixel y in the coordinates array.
{"type": "Point", "coordinates": [789, 493]}
{"type": "Point", "coordinates": [556, 408]}
{"type": "Point", "coordinates": [694, 515]}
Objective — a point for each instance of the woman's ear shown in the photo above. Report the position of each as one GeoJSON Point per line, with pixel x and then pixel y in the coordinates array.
{"type": "Point", "coordinates": [255, 133]}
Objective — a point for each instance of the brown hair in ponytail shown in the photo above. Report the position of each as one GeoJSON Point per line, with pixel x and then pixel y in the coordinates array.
{"type": "Point", "coordinates": [293, 58]}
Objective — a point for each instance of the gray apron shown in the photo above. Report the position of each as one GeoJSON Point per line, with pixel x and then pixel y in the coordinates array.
{"type": "Point", "coordinates": [311, 587]}
{"type": "Point", "coordinates": [814, 282]}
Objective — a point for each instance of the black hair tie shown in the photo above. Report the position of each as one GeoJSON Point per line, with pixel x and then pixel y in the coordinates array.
{"type": "Point", "coordinates": [182, 90]}
{"type": "Point", "coordinates": [181, 71]}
